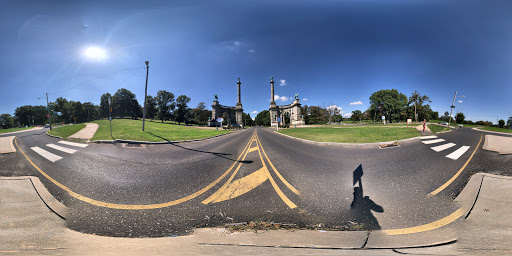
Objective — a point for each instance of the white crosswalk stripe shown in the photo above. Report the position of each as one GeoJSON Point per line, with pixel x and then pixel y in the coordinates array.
{"type": "Point", "coordinates": [443, 147]}
{"type": "Point", "coordinates": [63, 149]}
{"type": "Point", "coordinates": [428, 137]}
{"type": "Point", "coordinates": [457, 153]}
{"type": "Point", "coordinates": [73, 144]}
{"type": "Point", "coordinates": [432, 141]}
{"type": "Point", "coordinates": [50, 156]}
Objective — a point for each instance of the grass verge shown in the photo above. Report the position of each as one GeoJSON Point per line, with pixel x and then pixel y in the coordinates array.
{"type": "Point", "coordinates": [437, 128]}
{"type": "Point", "coordinates": [127, 129]}
{"type": "Point", "coordinates": [495, 129]}
{"type": "Point", "coordinates": [15, 129]}
{"type": "Point", "coordinates": [65, 131]}
{"type": "Point", "coordinates": [353, 134]}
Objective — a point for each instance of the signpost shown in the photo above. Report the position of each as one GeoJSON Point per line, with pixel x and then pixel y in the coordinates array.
{"type": "Point", "coordinates": [110, 115]}
{"type": "Point", "coordinates": [278, 121]}
{"type": "Point", "coordinates": [219, 120]}
{"type": "Point", "coordinates": [384, 120]}
{"type": "Point", "coordinates": [409, 122]}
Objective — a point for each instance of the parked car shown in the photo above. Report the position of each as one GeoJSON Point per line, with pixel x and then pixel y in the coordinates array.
{"type": "Point", "coordinates": [47, 126]}
{"type": "Point", "coordinates": [444, 123]}
{"type": "Point", "coordinates": [461, 126]}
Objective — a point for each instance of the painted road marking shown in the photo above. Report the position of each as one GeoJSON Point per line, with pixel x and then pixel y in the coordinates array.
{"type": "Point", "coordinates": [128, 206]}
{"type": "Point", "coordinates": [428, 137]}
{"type": "Point", "coordinates": [457, 153]}
{"type": "Point", "coordinates": [234, 188]}
{"type": "Point", "coordinates": [50, 156]}
{"type": "Point", "coordinates": [443, 147]}
{"type": "Point", "coordinates": [73, 144]}
{"type": "Point", "coordinates": [432, 141]}
{"type": "Point", "coordinates": [63, 149]}
{"type": "Point", "coordinates": [430, 226]}
{"type": "Point", "coordinates": [435, 192]}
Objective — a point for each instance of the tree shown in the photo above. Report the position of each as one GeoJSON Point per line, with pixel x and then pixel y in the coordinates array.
{"type": "Point", "coordinates": [423, 110]}
{"type": "Point", "coordinates": [125, 104]}
{"type": "Point", "coordinates": [501, 123]}
{"type": "Point", "coordinates": [151, 109]}
{"type": "Point", "coordinates": [104, 105]}
{"type": "Point", "coordinates": [165, 102]}
{"type": "Point", "coordinates": [459, 118]}
{"type": "Point", "coordinates": [246, 118]}
{"type": "Point", "coordinates": [7, 121]}
{"type": "Point", "coordinates": [200, 114]}
{"type": "Point", "coordinates": [356, 115]}
{"type": "Point", "coordinates": [392, 102]}
{"type": "Point", "coordinates": [181, 111]}
{"type": "Point", "coordinates": [446, 116]}
{"type": "Point", "coordinates": [434, 115]}
{"type": "Point", "coordinates": [263, 118]}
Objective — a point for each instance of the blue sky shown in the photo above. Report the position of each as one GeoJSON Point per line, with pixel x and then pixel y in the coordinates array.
{"type": "Point", "coordinates": [330, 52]}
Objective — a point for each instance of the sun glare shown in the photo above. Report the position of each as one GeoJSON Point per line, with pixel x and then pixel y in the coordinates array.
{"type": "Point", "coordinates": [95, 53]}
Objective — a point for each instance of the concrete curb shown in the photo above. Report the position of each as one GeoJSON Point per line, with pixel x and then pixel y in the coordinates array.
{"type": "Point", "coordinates": [159, 142]}
{"type": "Point", "coordinates": [504, 133]}
{"type": "Point", "coordinates": [27, 130]}
{"type": "Point", "coordinates": [52, 135]}
{"type": "Point", "coordinates": [348, 144]}
{"type": "Point", "coordinates": [11, 145]}
{"type": "Point", "coordinates": [53, 204]}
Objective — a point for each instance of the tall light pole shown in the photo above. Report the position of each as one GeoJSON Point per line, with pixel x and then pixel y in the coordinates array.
{"type": "Point", "coordinates": [145, 96]}
{"type": "Point", "coordinates": [452, 107]}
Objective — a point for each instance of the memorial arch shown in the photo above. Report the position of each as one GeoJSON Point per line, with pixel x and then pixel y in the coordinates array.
{"type": "Point", "coordinates": [292, 110]}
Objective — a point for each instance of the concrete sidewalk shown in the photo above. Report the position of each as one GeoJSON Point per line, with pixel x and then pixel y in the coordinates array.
{"type": "Point", "coordinates": [29, 225]}
{"type": "Point", "coordinates": [86, 133]}
{"type": "Point", "coordinates": [500, 144]}
{"type": "Point", "coordinates": [6, 145]}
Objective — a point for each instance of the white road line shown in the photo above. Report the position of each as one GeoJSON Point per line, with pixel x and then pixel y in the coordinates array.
{"type": "Point", "coordinates": [73, 144]}
{"type": "Point", "coordinates": [432, 141]}
{"type": "Point", "coordinates": [457, 153]}
{"type": "Point", "coordinates": [443, 147]}
{"type": "Point", "coordinates": [63, 149]}
{"type": "Point", "coordinates": [428, 137]}
{"type": "Point", "coordinates": [50, 156]}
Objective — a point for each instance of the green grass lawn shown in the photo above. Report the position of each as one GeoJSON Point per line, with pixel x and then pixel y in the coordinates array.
{"type": "Point", "coordinates": [352, 134]}
{"type": "Point", "coordinates": [15, 129]}
{"type": "Point", "coordinates": [437, 128]}
{"type": "Point", "coordinates": [127, 129]}
{"type": "Point", "coordinates": [65, 131]}
{"type": "Point", "coordinates": [495, 129]}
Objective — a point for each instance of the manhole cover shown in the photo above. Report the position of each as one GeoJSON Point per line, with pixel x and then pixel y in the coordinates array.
{"type": "Point", "coordinates": [131, 145]}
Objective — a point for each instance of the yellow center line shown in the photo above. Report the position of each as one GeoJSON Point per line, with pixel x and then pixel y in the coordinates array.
{"type": "Point", "coordinates": [219, 192]}
{"type": "Point", "coordinates": [435, 192]}
{"type": "Point", "coordinates": [430, 226]}
{"type": "Point", "coordinates": [274, 168]}
{"type": "Point", "coordinates": [274, 184]}
{"type": "Point", "coordinates": [128, 206]}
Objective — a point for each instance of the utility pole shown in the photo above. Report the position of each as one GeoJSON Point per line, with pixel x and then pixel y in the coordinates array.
{"type": "Point", "coordinates": [452, 107]}
{"type": "Point", "coordinates": [415, 115]}
{"type": "Point", "coordinates": [48, 106]}
{"type": "Point", "coordinates": [145, 95]}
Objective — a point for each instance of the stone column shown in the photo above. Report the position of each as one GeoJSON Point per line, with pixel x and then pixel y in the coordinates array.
{"type": "Point", "coordinates": [272, 90]}
{"type": "Point", "coordinates": [239, 90]}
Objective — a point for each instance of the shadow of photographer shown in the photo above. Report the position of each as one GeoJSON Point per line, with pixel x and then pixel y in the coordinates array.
{"type": "Point", "coordinates": [362, 206]}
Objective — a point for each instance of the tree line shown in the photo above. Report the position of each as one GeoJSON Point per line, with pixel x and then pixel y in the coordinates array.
{"type": "Point", "coordinates": [164, 107]}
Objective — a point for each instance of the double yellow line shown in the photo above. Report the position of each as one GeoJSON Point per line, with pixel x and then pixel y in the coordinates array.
{"type": "Point", "coordinates": [174, 202]}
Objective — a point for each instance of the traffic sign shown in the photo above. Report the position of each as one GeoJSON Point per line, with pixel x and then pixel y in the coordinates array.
{"type": "Point", "coordinates": [279, 119]}
{"type": "Point", "coordinates": [220, 119]}
{"type": "Point", "coordinates": [383, 117]}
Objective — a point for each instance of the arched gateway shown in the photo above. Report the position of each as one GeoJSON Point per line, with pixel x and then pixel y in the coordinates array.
{"type": "Point", "coordinates": [293, 111]}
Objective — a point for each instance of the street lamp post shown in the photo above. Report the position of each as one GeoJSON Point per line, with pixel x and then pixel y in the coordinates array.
{"type": "Point", "coordinates": [452, 107]}
{"type": "Point", "coordinates": [145, 95]}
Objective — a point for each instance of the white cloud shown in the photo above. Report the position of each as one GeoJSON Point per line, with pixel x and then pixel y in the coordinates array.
{"type": "Point", "coordinates": [305, 99]}
{"type": "Point", "coordinates": [251, 51]}
{"type": "Point", "coordinates": [254, 112]}
{"type": "Point", "coordinates": [356, 103]}
{"type": "Point", "coordinates": [231, 45]}
{"type": "Point", "coordinates": [280, 98]}
{"type": "Point", "coordinates": [460, 101]}
{"type": "Point", "coordinates": [349, 115]}
{"type": "Point", "coordinates": [332, 107]}
{"type": "Point", "coordinates": [282, 82]}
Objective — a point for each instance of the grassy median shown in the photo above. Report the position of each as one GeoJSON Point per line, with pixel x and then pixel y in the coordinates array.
{"type": "Point", "coordinates": [155, 131]}
{"type": "Point", "coordinates": [65, 131]}
{"type": "Point", "coordinates": [437, 128]}
{"type": "Point", "coordinates": [353, 134]}
{"type": "Point", "coordinates": [495, 129]}
{"type": "Point", "coordinates": [14, 129]}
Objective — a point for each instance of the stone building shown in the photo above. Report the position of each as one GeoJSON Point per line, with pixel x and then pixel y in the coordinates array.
{"type": "Point", "coordinates": [234, 113]}
{"type": "Point", "coordinates": [293, 110]}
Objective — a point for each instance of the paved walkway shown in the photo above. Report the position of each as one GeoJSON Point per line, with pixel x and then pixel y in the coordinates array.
{"type": "Point", "coordinates": [86, 133]}
{"type": "Point", "coordinates": [33, 129]}
{"type": "Point", "coordinates": [27, 225]}
{"type": "Point", "coordinates": [6, 145]}
{"type": "Point", "coordinates": [427, 131]}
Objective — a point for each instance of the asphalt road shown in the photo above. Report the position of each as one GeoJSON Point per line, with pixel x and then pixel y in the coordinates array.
{"type": "Point", "coordinates": [251, 175]}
